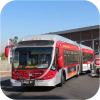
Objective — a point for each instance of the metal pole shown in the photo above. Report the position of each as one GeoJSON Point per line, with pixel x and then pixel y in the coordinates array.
{"type": "Point", "coordinates": [93, 44]}
{"type": "Point", "coordinates": [98, 47]}
{"type": "Point", "coordinates": [96, 39]}
{"type": "Point", "coordinates": [92, 39]}
{"type": "Point", "coordinates": [9, 57]}
{"type": "Point", "coordinates": [80, 38]}
{"type": "Point", "coordinates": [8, 53]}
{"type": "Point", "coordinates": [8, 41]}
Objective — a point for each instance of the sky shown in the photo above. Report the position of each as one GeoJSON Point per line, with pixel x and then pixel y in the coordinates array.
{"type": "Point", "coordinates": [23, 18]}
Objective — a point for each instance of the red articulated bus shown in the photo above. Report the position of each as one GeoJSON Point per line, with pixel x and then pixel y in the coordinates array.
{"type": "Point", "coordinates": [48, 60]}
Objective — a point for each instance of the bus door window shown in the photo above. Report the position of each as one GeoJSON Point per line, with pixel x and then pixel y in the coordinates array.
{"type": "Point", "coordinates": [87, 57]}
{"type": "Point", "coordinates": [57, 52]}
{"type": "Point", "coordinates": [83, 58]}
{"type": "Point", "coordinates": [55, 65]}
{"type": "Point", "coordinates": [57, 56]}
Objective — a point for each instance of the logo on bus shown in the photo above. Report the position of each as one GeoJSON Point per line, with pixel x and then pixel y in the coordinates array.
{"type": "Point", "coordinates": [68, 46]}
{"type": "Point", "coordinates": [97, 61]}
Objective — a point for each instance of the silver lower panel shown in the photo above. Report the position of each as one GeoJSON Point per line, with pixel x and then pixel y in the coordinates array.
{"type": "Point", "coordinates": [49, 82]}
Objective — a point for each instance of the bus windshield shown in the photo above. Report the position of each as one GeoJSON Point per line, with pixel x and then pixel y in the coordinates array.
{"type": "Point", "coordinates": [32, 57]}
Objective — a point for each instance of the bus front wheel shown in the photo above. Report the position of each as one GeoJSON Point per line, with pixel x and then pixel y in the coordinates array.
{"type": "Point", "coordinates": [62, 80]}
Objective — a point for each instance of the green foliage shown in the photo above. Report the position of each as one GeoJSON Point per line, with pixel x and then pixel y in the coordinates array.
{"type": "Point", "coordinates": [3, 57]}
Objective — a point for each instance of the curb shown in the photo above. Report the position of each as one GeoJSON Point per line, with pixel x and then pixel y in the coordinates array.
{"type": "Point", "coordinates": [5, 73]}
{"type": "Point", "coordinates": [4, 76]}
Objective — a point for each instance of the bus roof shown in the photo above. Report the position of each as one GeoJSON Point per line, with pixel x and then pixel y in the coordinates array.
{"type": "Point", "coordinates": [49, 37]}
{"type": "Point", "coordinates": [86, 47]}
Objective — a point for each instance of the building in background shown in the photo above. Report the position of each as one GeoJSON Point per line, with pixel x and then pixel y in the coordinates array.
{"type": "Point", "coordinates": [88, 36]}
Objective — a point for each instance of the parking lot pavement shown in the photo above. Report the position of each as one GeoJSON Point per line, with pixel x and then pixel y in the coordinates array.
{"type": "Point", "coordinates": [82, 87]}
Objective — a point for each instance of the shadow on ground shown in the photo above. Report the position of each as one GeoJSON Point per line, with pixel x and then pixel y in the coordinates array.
{"type": "Point", "coordinates": [13, 96]}
{"type": "Point", "coordinates": [5, 85]}
{"type": "Point", "coordinates": [17, 92]}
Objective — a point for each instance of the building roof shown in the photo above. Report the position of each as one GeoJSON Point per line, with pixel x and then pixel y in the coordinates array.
{"type": "Point", "coordinates": [76, 30]}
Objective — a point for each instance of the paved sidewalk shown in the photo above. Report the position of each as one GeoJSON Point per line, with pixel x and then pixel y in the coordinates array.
{"type": "Point", "coordinates": [5, 68]}
{"type": "Point", "coordinates": [5, 73]}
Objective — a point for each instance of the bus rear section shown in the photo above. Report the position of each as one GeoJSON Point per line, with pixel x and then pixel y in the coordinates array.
{"type": "Point", "coordinates": [86, 58]}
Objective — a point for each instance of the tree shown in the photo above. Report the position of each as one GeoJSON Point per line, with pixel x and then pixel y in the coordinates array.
{"type": "Point", "coordinates": [13, 41]}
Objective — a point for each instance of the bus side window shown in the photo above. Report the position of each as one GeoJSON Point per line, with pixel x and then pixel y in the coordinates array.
{"type": "Point", "coordinates": [86, 57]}
{"type": "Point", "coordinates": [72, 57]}
{"type": "Point", "coordinates": [68, 57]}
{"type": "Point", "coordinates": [75, 57]}
{"type": "Point", "coordinates": [78, 59]}
{"type": "Point", "coordinates": [64, 54]}
{"type": "Point", "coordinates": [91, 57]}
{"type": "Point", "coordinates": [83, 58]}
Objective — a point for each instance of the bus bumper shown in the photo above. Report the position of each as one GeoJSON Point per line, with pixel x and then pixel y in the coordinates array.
{"type": "Point", "coordinates": [49, 82]}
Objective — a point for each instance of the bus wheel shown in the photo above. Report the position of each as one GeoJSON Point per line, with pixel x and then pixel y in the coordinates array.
{"type": "Point", "coordinates": [78, 72]}
{"type": "Point", "coordinates": [89, 71]}
{"type": "Point", "coordinates": [62, 80]}
{"type": "Point", "coordinates": [91, 68]}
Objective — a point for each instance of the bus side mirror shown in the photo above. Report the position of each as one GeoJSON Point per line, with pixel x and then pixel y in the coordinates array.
{"type": "Point", "coordinates": [60, 62]}
{"type": "Point", "coordinates": [6, 51]}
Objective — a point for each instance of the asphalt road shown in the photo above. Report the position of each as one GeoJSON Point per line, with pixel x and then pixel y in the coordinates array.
{"type": "Point", "coordinates": [82, 87]}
